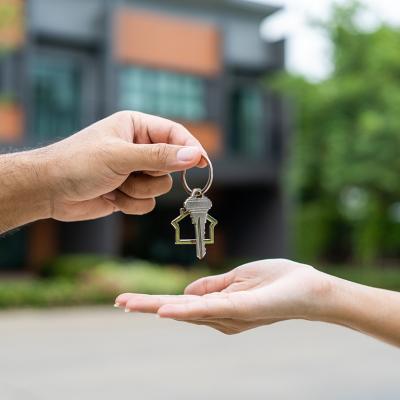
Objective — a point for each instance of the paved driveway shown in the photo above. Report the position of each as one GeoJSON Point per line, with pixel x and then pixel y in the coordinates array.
{"type": "Point", "coordinates": [103, 353]}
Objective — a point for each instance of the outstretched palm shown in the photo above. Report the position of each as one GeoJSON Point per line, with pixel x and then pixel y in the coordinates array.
{"type": "Point", "coordinates": [258, 293]}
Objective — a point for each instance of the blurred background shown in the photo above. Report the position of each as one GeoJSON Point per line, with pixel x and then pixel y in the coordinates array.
{"type": "Point", "coordinates": [66, 64]}
{"type": "Point", "coordinates": [297, 103]}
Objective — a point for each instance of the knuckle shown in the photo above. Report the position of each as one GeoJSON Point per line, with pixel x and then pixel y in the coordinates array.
{"type": "Point", "coordinates": [122, 206]}
{"type": "Point", "coordinates": [124, 119]}
{"type": "Point", "coordinates": [106, 149]}
{"type": "Point", "coordinates": [179, 126]}
{"type": "Point", "coordinates": [122, 115]}
{"type": "Point", "coordinates": [160, 154]}
{"type": "Point", "coordinates": [226, 331]}
{"type": "Point", "coordinates": [130, 305]}
{"type": "Point", "coordinates": [126, 113]}
{"type": "Point", "coordinates": [206, 284]}
{"type": "Point", "coordinates": [130, 187]}
{"type": "Point", "coordinates": [167, 183]}
{"type": "Point", "coordinates": [146, 206]}
{"type": "Point", "coordinates": [151, 205]}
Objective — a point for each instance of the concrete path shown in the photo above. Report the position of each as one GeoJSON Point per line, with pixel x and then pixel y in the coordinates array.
{"type": "Point", "coordinates": [103, 353]}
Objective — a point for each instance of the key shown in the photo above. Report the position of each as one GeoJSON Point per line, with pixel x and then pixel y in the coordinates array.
{"type": "Point", "coordinates": [198, 208]}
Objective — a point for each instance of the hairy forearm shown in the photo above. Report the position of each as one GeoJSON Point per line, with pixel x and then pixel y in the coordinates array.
{"type": "Point", "coordinates": [373, 311]}
{"type": "Point", "coordinates": [23, 189]}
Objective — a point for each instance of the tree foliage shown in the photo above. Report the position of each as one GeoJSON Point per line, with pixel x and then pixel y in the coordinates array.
{"type": "Point", "coordinates": [345, 168]}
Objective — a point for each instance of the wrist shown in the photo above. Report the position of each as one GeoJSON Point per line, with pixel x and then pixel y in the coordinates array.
{"type": "Point", "coordinates": [25, 191]}
{"type": "Point", "coordinates": [339, 302]}
{"type": "Point", "coordinates": [324, 298]}
{"type": "Point", "coordinates": [42, 186]}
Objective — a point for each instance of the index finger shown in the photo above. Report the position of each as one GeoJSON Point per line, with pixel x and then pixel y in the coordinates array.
{"type": "Point", "coordinates": [153, 129]}
{"type": "Point", "coordinates": [204, 308]}
{"type": "Point", "coordinates": [210, 284]}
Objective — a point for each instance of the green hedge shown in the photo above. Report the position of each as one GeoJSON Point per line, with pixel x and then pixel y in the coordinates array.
{"type": "Point", "coordinates": [76, 280]}
{"type": "Point", "coordinates": [385, 278]}
{"type": "Point", "coordinates": [85, 279]}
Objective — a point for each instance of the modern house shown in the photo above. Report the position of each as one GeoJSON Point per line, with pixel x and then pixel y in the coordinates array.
{"type": "Point", "coordinates": [67, 63]}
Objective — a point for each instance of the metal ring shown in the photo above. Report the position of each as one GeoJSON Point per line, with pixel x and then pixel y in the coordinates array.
{"type": "Point", "coordinates": [209, 181]}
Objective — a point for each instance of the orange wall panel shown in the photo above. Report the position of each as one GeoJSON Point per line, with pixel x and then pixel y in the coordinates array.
{"type": "Point", "coordinates": [11, 122]}
{"type": "Point", "coordinates": [12, 23]}
{"type": "Point", "coordinates": [208, 134]}
{"type": "Point", "coordinates": [166, 42]}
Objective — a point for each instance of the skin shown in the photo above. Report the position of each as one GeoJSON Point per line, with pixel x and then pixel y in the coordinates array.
{"type": "Point", "coordinates": [121, 163]}
{"type": "Point", "coordinates": [268, 291]}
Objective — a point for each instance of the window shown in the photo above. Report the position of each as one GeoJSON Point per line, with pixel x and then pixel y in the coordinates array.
{"type": "Point", "coordinates": [2, 74]}
{"type": "Point", "coordinates": [248, 127]}
{"type": "Point", "coordinates": [163, 93]}
{"type": "Point", "coordinates": [7, 75]}
{"type": "Point", "coordinates": [57, 95]}
{"type": "Point", "coordinates": [13, 250]}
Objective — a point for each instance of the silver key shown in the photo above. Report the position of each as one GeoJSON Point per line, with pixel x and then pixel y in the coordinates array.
{"type": "Point", "coordinates": [198, 208]}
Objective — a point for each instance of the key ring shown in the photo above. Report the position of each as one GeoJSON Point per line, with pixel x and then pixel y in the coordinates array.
{"type": "Point", "coordinates": [207, 185]}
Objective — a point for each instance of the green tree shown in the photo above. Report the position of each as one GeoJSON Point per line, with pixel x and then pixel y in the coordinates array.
{"type": "Point", "coordinates": [345, 168]}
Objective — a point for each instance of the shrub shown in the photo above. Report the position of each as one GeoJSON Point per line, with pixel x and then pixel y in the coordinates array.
{"type": "Point", "coordinates": [76, 280]}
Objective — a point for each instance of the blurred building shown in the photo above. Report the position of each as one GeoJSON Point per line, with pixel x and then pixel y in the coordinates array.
{"type": "Point", "coordinates": [67, 63]}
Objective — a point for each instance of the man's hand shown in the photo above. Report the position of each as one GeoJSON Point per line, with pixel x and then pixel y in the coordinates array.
{"type": "Point", "coordinates": [259, 293]}
{"type": "Point", "coordinates": [121, 163]}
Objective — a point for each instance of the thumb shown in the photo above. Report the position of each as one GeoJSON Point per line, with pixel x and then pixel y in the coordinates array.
{"type": "Point", "coordinates": [210, 284]}
{"type": "Point", "coordinates": [158, 157]}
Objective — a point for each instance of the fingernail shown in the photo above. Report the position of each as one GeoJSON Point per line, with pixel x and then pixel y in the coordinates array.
{"type": "Point", "coordinates": [116, 305]}
{"type": "Point", "coordinates": [203, 162]}
{"type": "Point", "coordinates": [187, 154]}
{"type": "Point", "coordinates": [110, 196]}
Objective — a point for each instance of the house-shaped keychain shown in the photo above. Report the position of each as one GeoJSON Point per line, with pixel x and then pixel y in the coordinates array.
{"type": "Point", "coordinates": [182, 215]}
{"type": "Point", "coordinates": [197, 206]}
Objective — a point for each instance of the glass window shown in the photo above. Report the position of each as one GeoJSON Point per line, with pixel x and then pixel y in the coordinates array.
{"type": "Point", "coordinates": [57, 94]}
{"type": "Point", "coordinates": [2, 74]}
{"type": "Point", "coordinates": [8, 78]}
{"type": "Point", "coordinates": [248, 116]}
{"type": "Point", "coordinates": [163, 93]}
{"type": "Point", "coordinates": [13, 249]}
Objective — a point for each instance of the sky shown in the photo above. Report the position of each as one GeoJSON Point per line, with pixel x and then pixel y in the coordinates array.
{"type": "Point", "coordinates": [307, 50]}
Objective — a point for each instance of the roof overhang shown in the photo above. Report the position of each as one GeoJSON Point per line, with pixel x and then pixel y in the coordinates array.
{"type": "Point", "coordinates": [253, 6]}
{"type": "Point", "coordinates": [256, 8]}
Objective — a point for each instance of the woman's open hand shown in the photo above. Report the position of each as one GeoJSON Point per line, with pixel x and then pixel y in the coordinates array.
{"type": "Point", "coordinates": [254, 294]}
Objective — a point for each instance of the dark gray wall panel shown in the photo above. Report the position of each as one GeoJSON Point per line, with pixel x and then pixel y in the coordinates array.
{"type": "Point", "coordinates": [72, 18]}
